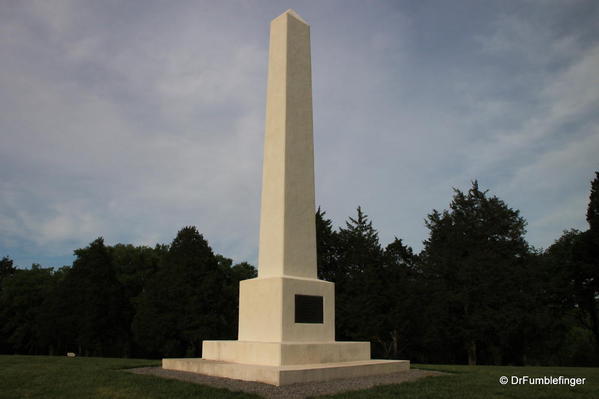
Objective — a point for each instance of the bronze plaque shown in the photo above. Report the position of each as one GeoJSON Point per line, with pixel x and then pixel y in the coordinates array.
{"type": "Point", "coordinates": [308, 309]}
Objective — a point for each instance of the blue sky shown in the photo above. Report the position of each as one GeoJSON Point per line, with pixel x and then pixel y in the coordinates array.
{"type": "Point", "coordinates": [130, 120]}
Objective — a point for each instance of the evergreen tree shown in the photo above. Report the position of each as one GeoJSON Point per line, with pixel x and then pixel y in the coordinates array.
{"type": "Point", "coordinates": [593, 207]}
{"type": "Point", "coordinates": [360, 242]}
{"type": "Point", "coordinates": [134, 266]}
{"type": "Point", "coordinates": [360, 296]}
{"type": "Point", "coordinates": [230, 309]}
{"type": "Point", "coordinates": [474, 263]}
{"type": "Point", "coordinates": [56, 322]}
{"type": "Point", "coordinates": [326, 248]}
{"type": "Point", "coordinates": [586, 275]}
{"type": "Point", "coordinates": [400, 302]}
{"type": "Point", "coordinates": [185, 302]}
{"type": "Point", "coordinates": [96, 303]}
{"type": "Point", "coordinates": [576, 255]}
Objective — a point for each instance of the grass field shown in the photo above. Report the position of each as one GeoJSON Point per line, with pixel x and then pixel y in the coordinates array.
{"type": "Point", "coordinates": [60, 377]}
{"type": "Point", "coordinates": [468, 382]}
{"type": "Point", "coordinates": [78, 378]}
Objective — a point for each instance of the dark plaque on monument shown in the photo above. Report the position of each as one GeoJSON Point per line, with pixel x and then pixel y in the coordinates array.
{"type": "Point", "coordinates": [308, 309]}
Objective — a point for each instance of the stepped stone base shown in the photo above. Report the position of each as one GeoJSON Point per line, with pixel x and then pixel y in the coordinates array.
{"type": "Point", "coordinates": [290, 374]}
{"type": "Point", "coordinates": [285, 353]}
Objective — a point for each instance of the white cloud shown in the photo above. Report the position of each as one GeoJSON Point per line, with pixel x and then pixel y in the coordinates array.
{"type": "Point", "coordinates": [87, 166]}
{"type": "Point", "coordinates": [132, 121]}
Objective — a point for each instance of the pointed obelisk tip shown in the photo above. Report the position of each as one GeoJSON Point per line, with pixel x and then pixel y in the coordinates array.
{"type": "Point", "coordinates": [295, 15]}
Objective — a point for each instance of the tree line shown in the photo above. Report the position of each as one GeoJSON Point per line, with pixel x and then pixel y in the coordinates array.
{"type": "Point", "coordinates": [477, 293]}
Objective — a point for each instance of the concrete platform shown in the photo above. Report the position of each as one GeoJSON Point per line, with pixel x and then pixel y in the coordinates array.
{"type": "Point", "coordinates": [285, 375]}
{"type": "Point", "coordinates": [285, 353]}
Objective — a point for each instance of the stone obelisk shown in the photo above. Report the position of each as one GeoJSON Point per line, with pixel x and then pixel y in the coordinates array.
{"type": "Point", "coordinates": [287, 252]}
{"type": "Point", "coordinates": [287, 315]}
{"type": "Point", "coordinates": [287, 231]}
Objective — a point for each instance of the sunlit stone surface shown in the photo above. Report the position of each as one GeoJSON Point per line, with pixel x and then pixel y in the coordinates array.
{"type": "Point", "coordinates": [287, 315]}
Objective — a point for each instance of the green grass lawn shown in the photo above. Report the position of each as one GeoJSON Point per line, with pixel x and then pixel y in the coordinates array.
{"type": "Point", "coordinates": [61, 377]}
{"type": "Point", "coordinates": [466, 382]}
{"type": "Point", "coordinates": [77, 378]}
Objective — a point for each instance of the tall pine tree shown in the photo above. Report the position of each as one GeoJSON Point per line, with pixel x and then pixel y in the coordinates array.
{"type": "Point", "coordinates": [326, 248]}
{"type": "Point", "coordinates": [360, 297]}
{"type": "Point", "coordinates": [474, 264]}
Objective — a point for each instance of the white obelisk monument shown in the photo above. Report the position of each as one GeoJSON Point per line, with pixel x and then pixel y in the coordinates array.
{"type": "Point", "coordinates": [287, 315]}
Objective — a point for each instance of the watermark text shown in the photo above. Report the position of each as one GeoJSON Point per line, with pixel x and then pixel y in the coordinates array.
{"type": "Point", "coordinates": [546, 380]}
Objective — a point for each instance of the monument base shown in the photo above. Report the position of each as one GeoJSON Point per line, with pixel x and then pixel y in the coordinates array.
{"type": "Point", "coordinates": [285, 375]}
{"type": "Point", "coordinates": [285, 353]}
{"type": "Point", "coordinates": [283, 363]}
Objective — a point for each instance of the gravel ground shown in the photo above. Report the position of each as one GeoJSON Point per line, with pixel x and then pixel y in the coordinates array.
{"type": "Point", "coordinates": [294, 391]}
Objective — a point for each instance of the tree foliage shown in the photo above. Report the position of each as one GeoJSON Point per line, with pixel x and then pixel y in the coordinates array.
{"type": "Point", "coordinates": [96, 302]}
{"type": "Point", "coordinates": [476, 293]}
{"type": "Point", "coordinates": [21, 302]}
{"type": "Point", "coordinates": [575, 258]}
{"type": "Point", "coordinates": [593, 208]}
{"type": "Point", "coordinates": [6, 268]}
{"type": "Point", "coordinates": [189, 299]}
{"type": "Point", "coordinates": [474, 261]}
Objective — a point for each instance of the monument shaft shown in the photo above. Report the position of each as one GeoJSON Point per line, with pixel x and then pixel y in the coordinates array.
{"type": "Point", "coordinates": [287, 225]}
{"type": "Point", "coordinates": [287, 315]}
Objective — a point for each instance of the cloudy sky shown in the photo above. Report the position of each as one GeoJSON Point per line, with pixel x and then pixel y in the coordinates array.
{"type": "Point", "coordinates": [130, 120]}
